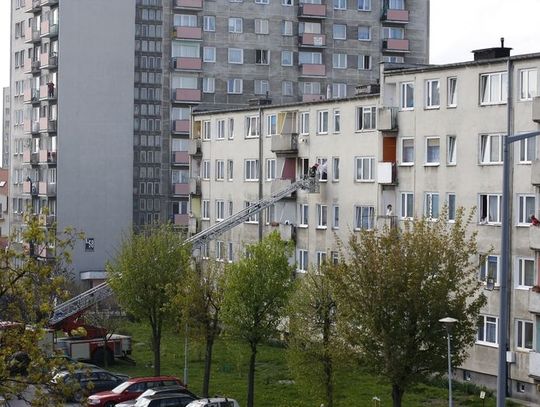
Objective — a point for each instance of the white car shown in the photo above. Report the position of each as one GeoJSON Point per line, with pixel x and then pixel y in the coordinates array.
{"type": "Point", "coordinates": [214, 402]}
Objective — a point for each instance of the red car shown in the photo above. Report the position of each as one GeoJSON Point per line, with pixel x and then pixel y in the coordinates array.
{"type": "Point", "coordinates": [130, 389]}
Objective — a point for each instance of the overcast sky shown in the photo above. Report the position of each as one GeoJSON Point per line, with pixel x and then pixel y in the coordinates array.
{"type": "Point", "coordinates": [457, 27]}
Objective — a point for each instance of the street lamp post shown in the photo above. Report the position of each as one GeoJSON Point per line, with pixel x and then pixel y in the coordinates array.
{"type": "Point", "coordinates": [448, 324]}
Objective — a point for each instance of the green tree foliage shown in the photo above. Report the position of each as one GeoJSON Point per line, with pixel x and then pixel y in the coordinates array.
{"type": "Point", "coordinates": [314, 344]}
{"type": "Point", "coordinates": [146, 266]}
{"type": "Point", "coordinates": [200, 298]}
{"type": "Point", "coordinates": [395, 286]}
{"type": "Point", "coordinates": [257, 289]}
{"type": "Point", "coordinates": [31, 279]}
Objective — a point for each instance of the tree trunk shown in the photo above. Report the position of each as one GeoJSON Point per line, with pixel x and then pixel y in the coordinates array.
{"type": "Point", "coordinates": [207, 364]}
{"type": "Point", "coordinates": [251, 376]}
{"type": "Point", "coordinates": [327, 362]}
{"type": "Point", "coordinates": [397, 395]}
{"type": "Point", "coordinates": [156, 342]}
{"type": "Point", "coordinates": [105, 355]}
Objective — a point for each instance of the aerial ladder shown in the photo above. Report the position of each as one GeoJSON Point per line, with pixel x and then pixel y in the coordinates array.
{"type": "Point", "coordinates": [65, 315]}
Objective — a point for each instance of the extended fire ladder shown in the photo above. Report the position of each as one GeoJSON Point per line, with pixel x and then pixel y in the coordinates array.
{"type": "Point", "coordinates": [102, 291]}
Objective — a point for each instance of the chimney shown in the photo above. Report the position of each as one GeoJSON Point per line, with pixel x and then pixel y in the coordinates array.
{"type": "Point", "coordinates": [492, 53]}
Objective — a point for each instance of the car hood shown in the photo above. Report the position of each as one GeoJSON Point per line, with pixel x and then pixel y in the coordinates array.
{"type": "Point", "coordinates": [128, 403]}
{"type": "Point", "coordinates": [103, 395]}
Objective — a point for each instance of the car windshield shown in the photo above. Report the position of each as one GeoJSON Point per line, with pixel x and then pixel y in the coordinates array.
{"type": "Point", "coordinates": [121, 387]}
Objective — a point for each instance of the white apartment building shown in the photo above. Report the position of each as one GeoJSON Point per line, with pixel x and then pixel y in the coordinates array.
{"type": "Point", "coordinates": [432, 136]}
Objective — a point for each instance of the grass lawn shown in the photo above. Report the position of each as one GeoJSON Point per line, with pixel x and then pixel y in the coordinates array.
{"type": "Point", "coordinates": [273, 387]}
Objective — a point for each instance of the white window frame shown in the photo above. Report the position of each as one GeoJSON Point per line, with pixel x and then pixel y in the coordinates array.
{"type": "Point", "coordinates": [485, 148]}
{"type": "Point", "coordinates": [235, 86]}
{"type": "Point", "coordinates": [205, 209]}
{"type": "Point", "coordinates": [303, 261]}
{"type": "Point", "coordinates": [206, 130]}
{"type": "Point", "coordinates": [483, 321]}
{"type": "Point", "coordinates": [236, 25]}
{"type": "Point", "coordinates": [406, 96]}
{"type": "Point", "coordinates": [527, 150]}
{"type": "Point", "coordinates": [321, 258]}
{"type": "Point", "coordinates": [362, 212]}
{"type": "Point", "coordinates": [220, 210]}
{"type": "Point", "coordinates": [286, 28]}
{"type": "Point", "coordinates": [270, 169]}
{"type": "Point", "coordinates": [366, 118]}
{"type": "Point", "coordinates": [433, 94]}
{"type": "Point", "coordinates": [432, 207]}
{"type": "Point", "coordinates": [261, 24]}
{"type": "Point", "coordinates": [521, 335]}
{"type": "Point", "coordinates": [322, 216]}
{"type": "Point", "coordinates": [451, 205]}
{"type": "Point", "coordinates": [337, 34]}
{"type": "Point", "coordinates": [340, 4]}
{"type": "Point", "coordinates": [232, 53]}
{"type": "Point", "coordinates": [484, 273]}
{"type": "Point", "coordinates": [521, 273]}
{"type": "Point", "coordinates": [252, 126]}
{"type": "Point", "coordinates": [251, 170]}
{"type": "Point", "coordinates": [364, 62]}
{"type": "Point", "coordinates": [322, 121]}
{"type": "Point", "coordinates": [209, 54]}
{"type": "Point", "coordinates": [205, 170]}
{"type": "Point", "coordinates": [271, 125]}
{"type": "Point", "coordinates": [209, 23]}
{"type": "Point", "coordinates": [263, 58]}
{"type": "Point", "coordinates": [335, 216]}
{"type": "Point", "coordinates": [493, 94]}
{"type": "Point", "coordinates": [230, 170]}
{"type": "Point", "coordinates": [303, 218]}
{"type": "Point", "coordinates": [220, 170]}
{"type": "Point", "coordinates": [402, 149]}
{"type": "Point", "coordinates": [209, 85]}
{"type": "Point", "coordinates": [432, 161]}
{"type": "Point", "coordinates": [528, 80]}
{"type": "Point", "coordinates": [364, 27]}
{"type": "Point", "coordinates": [335, 169]}
{"type": "Point", "coordinates": [304, 123]}
{"type": "Point", "coordinates": [363, 5]}
{"type": "Point", "coordinates": [220, 129]}
{"type": "Point", "coordinates": [524, 213]}
{"type": "Point", "coordinates": [407, 205]}
{"type": "Point", "coordinates": [451, 150]}
{"type": "Point", "coordinates": [339, 61]}
{"type": "Point", "coordinates": [452, 91]}
{"type": "Point", "coordinates": [491, 199]}
{"type": "Point", "coordinates": [359, 169]}
{"type": "Point", "coordinates": [290, 58]}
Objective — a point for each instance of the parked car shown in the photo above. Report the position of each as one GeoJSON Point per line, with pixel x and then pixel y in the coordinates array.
{"type": "Point", "coordinates": [158, 391]}
{"type": "Point", "coordinates": [130, 390]}
{"type": "Point", "coordinates": [168, 400]}
{"type": "Point", "coordinates": [213, 402]}
{"type": "Point", "coordinates": [89, 380]}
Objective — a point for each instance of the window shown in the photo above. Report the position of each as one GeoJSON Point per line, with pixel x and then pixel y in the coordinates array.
{"type": "Point", "coordinates": [339, 31]}
{"type": "Point", "coordinates": [261, 26]}
{"type": "Point", "coordinates": [337, 121]}
{"type": "Point", "coordinates": [524, 335]}
{"type": "Point", "coordinates": [526, 276]}
{"type": "Point", "coordinates": [364, 33]}
{"type": "Point", "coordinates": [209, 23]}
{"type": "Point", "coordinates": [234, 86]}
{"type": "Point", "coordinates": [322, 122]}
{"type": "Point", "coordinates": [407, 96]}
{"type": "Point", "coordinates": [209, 85]}
{"type": "Point", "coordinates": [261, 87]}
{"type": "Point", "coordinates": [323, 169]}
{"type": "Point", "coordinates": [287, 88]}
{"type": "Point", "coordinates": [254, 217]}
{"type": "Point", "coordinates": [286, 58]}
{"type": "Point", "coordinates": [407, 151]}
{"type": "Point", "coordinates": [527, 150]}
{"type": "Point", "coordinates": [491, 148]}
{"type": "Point", "coordinates": [220, 210]}
{"type": "Point", "coordinates": [305, 57]}
{"type": "Point", "coordinates": [230, 170]}
{"type": "Point", "coordinates": [433, 95]}
{"type": "Point", "coordinates": [309, 27]}
{"type": "Point", "coordinates": [220, 170]}
{"type": "Point", "coordinates": [407, 205]}
{"type": "Point", "coordinates": [231, 207]}
{"type": "Point", "coordinates": [431, 205]}
{"type": "Point", "coordinates": [206, 169]}
{"type": "Point", "coordinates": [487, 330]}
{"type": "Point", "coordinates": [252, 126]}
{"type": "Point", "coordinates": [205, 214]}
{"type": "Point", "coordinates": [220, 250]}
{"type": "Point", "coordinates": [335, 217]}
{"type": "Point", "coordinates": [451, 150]}
{"type": "Point", "coordinates": [304, 123]}
{"type": "Point", "coordinates": [339, 90]}
{"type": "Point", "coordinates": [236, 56]}
{"type": "Point", "coordinates": [220, 129]}
{"type": "Point", "coordinates": [452, 92]}
{"type": "Point", "coordinates": [311, 88]}
{"type": "Point", "coordinates": [288, 3]}
{"type": "Point", "coordinates": [271, 125]}
{"type": "Point", "coordinates": [286, 28]}
{"type": "Point", "coordinates": [303, 218]}
{"type": "Point", "coordinates": [393, 33]}
{"type": "Point", "coordinates": [364, 217]}
{"type": "Point", "coordinates": [364, 5]}
{"type": "Point", "coordinates": [235, 25]}
{"type": "Point", "coordinates": [451, 207]}
{"type": "Point", "coordinates": [321, 259]}
{"type": "Point", "coordinates": [364, 168]}
{"type": "Point", "coordinates": [270, 169]}
{"type": "Point", "coordinates": [493, 88]}
{"type": "Point", "coordinates": [231, 128]}
{"type": "Point", "coordinates": [209, 54]}
{"type": "Point", "coordinates": [185, 20]}
{"type": "Point", "coordinates": [339, 61]}
{"type": "Point", "coordinates": [489, 269]}
{"type": "Point", "coordinates": [364, 62]}
{"type": "Point", "coordinates": [262, 56]}
{"type": "Point", "coordinates": [433, 150]}
{"type": "Point", "coordinates": [340, 4]}
{"type": "Point", "coordinates": [335, 169]}
{"type": "Point", "coordinates": [490, 208]}
{"type": "Point", "coordinates": [271, 214]}
{"type": "Point", "coordinates": [396, 4]}
{"type": "Point", "coordinates": [366, 118]}
{"type": "Point", "coordinates": [527, 84]}
{"type": "Point", "coordinates": [526, 208]}
{"type": "Point", "coordinates": [251, 168]}
{"type": "Point", "coordinates": [322, 216]}
{"type": "Point", "coordinates": [302, 260]}
{"type": "Point", "coordinates": [393, 59]}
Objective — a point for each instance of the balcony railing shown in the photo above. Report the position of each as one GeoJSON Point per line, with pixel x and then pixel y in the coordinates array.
{"type": "Point", "coordinates": [30, 188]}
{"type": "Point", "coordinates": [47, 220]}
{"type": "Point", "coordinates": [387, 173]}
{"type": "Point", "coordinates": [181, 219]}
{"type": "Point", "coordinates": [47, 125]}
{"type": "Point", "coordinates": [313, 70]}
{"type": "Point", "coordinates": [195, 147]}
{"type": "Point", "coordinates": [49, 2]}
{"type": "Point", "coordinates": [387, 221]}
{"type": "Point", "coordinates": [395, 16]}
{"type": "Point", "coordinates": [47, 189]}
{"type": "Point", "coordinates": [180, 157]}
{"type": "Point", "coordinates": [188, 64]}
{"type": "Point", "coordinates": [195, 186]}
{"type": "Point", "coordinates": [31, 96]}
{"type": "Point", "coordinates": [387, 120]}
{"type": "Point", "coordinates": [187, 95]}
{"type": "Point", "coordinates": [31, 66]}
{"type": "Point", "coordinates": [189, 33]}
{"type": "Point", "coordinates": [48, 29]}
{"type": "Point", "coordinates": [47, 157]}
{"type": "Point", "coordinates": [49, 61]}
{"type": "Point", "coordinates": [396, 45]}
{"type": "Point", "coordinates": [312, 10]}
{"type": "Point", "coordinates": [534, 364]}
{"type": "Point", "coordinates": [189, 4]}
{"type": "Point", "coordinates": [33, 6]}
{"type": "Point", "coordinates": [181, 189]}
{"type": "Point", "coordinates": [32, 34]}
{"type": "Point", "coordinates": [284, 143]}
{"type": "Point", "coordinates": [181, 126]}
{"type": "Point", "coordinates": [534, 237]}
{"type": "Point", "coordinates": [313, 40]}
{"type": "Point", "coordinates": [31, 126]}
{"type": "Point", "coordinates": [30, 157]}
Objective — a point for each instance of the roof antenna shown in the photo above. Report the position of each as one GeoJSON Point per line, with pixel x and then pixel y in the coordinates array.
{"type": "Point", "coordinates": [502, 42]}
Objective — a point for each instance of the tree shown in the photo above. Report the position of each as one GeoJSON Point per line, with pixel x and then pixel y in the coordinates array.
{"type": "Point", "coordinates": [314, 344]}
{"type": "Point", "coordinates": [394, 288]}
{"type": "Point", "coordinates": [146, 266]}
{"type": "Point", "coordinates": [200, 297]}
{"type": "Point", "coordinates": [31, 279]}
{"type": "Point", "coordinates": [256, 292]}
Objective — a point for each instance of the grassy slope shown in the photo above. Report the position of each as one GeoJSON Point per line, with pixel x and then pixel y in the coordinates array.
{"type": "Point", "coordinates": [229, 376]}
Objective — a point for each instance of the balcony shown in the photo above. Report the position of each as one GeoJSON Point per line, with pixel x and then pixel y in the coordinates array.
{"type": "Point", "coordinates": [187, 95]}
{"type": "Point", "coordinates": [31, 66]}
{"type": "Point", "coordinates": [44, 93]}
{"type": "Point", "coordinates": [312, 40]}
{"type": "Point", "coordinates": [395, 45]}
{"type": "Point", "coordinates": [387, 222]}
{"type": "Point", "coordinates": [47, 189]}
{"type": "Point", "coordinates": [534, 237]}
{"type": "Point", "coordinates": [49, 2]}
{"type": "Point", "coordinates": [312, 10]}
{"type": "Point", "coordinates": [33, 6]}
{"type": "Point", "coordinates": [536, 109]}
{"type": "Point", "coordinates": [284, 143]}
{"type": "Point", "coordinates": [32, 34]}
{"type": "Point", "coordinates": [534, 301]}
{"type": "Point", "coordinates": [30, 188]}
{"type": "Point", "coordinates": [181, 220]}
{"type": "Point", "coordinates": [47, 220]}
{"type": "Point", "coordinates": [313, 70]}
{"type": "Point", "coordinates": [387, 173]}
{"type": "Point", "coordinates": [47, 157]}
{"type": "Point", "coordinates": [189, 4]}
{"type": "Point", "coordinates": [188, 64]}
{"type": "Point", "coordinates": [279, 185]}
{"type": "Point", "coordinates": [195, 147]}
{"type": "Point", "coordinates": [180, 157]}
{"type": "Point", "coordinates": [387, 120]}
{"type": "Point", "coordinates": [193, 225]}
{"type": "Point", "coordinates": [46, 125]}
{"type": "Point", "coordinates": [189, 33]}
{"type": "Point", "coordinates": [312, 98]}
{"type": "Point", "coordinates": [395, 16]}
{"type": "Point", "coordinates": [181, 126]}
{"type": "Point", "coordinates": [49, 30]}
{"type": "Point", "coordinates": [31, 126]}
{"type": "Point", "coordinates": [49, 61]}
{"type": "Point", "coordinates": [195, 186]}
{"type": "Point", "coordinates": [31, 96]}
{"type": "Point", "coordinates": [534, 364]}
{"type": "Point", "coordinates": [535, 173]}
{"type": "Point", "coordinates": [181, 189]}
{"type": "Point", "coordinates": [30, 157]}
